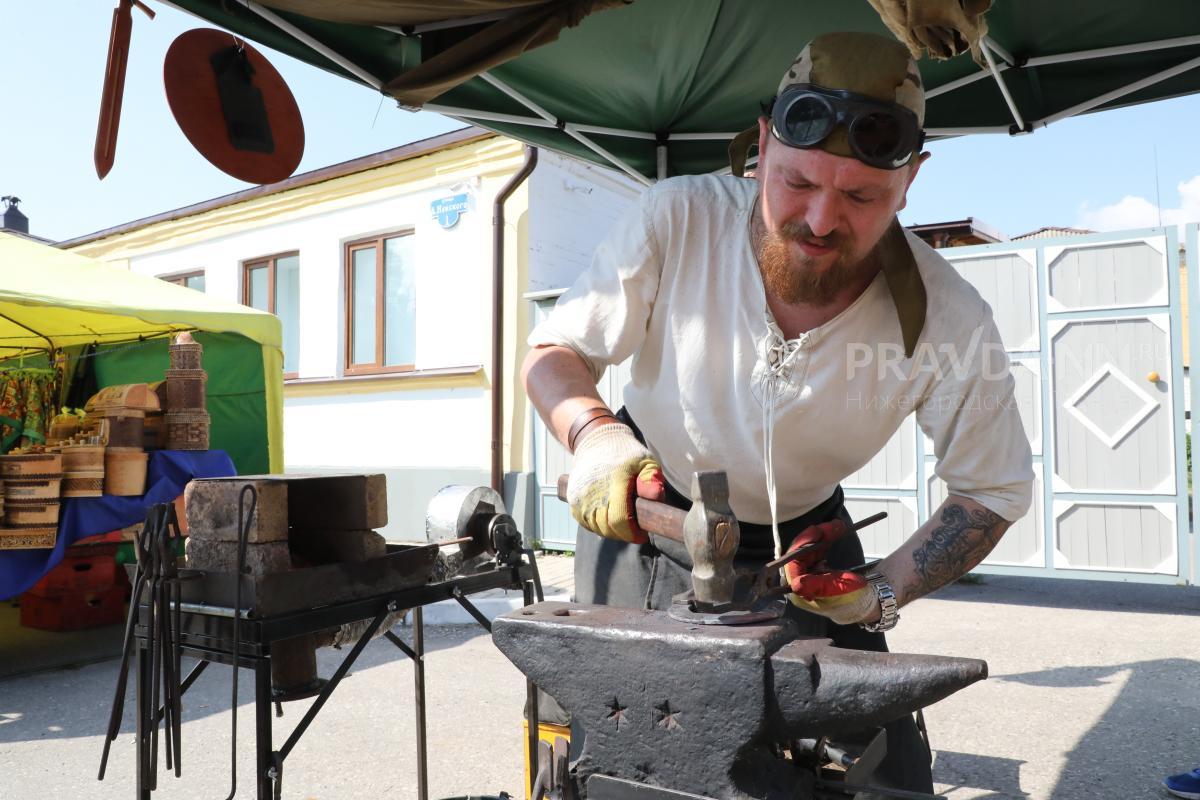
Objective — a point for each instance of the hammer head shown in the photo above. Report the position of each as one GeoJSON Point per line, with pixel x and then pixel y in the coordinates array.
{"type": "Point", "coordinates": [711, 535]}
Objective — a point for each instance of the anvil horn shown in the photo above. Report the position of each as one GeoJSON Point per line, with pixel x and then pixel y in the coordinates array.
{"type": "Point", "coordinates": [822, 690]}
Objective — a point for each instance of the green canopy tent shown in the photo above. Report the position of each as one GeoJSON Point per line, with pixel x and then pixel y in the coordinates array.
{"type": "Point", "coordinates": [660, 87]}
{"type": "Point", "coordinates": [51, 300]}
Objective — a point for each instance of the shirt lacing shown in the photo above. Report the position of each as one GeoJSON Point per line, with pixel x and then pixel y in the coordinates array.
{"type": "Point", "coordinates": [779, 355]}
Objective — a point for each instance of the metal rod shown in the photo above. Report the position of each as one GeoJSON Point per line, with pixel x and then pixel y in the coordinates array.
{"type": "Point", "coordinates": [262, 727]}
{"type": "Point", "coordinates": [187, 684]}
{"type": "Point", "coordinates": [1008, 98]}
{"type": "Point", "coordinates": [958, 83]}
{"type": "Point", "coordinates": [1119, 50]}
{"type": "Point", "coordinates": [660, 161]}
{"type": "Point", "coordinates": [141, 693]}
{"type": "Point", "coordinates": [701, 137]}
{"type": "Point", "coordinates": [307, 39]}
{"type": "Point", "coordinates": [944, 132]}
{"type": "Point", "coordinates": [793, 555]}
{"type": "Point", "coordinates": [1088, 105]}
{"type": "Point", "coordinates": [419, 690]}
{"type": "Point", "coordinates": [605, 131]}
{"type": "Point", "coordinates": [334, 680]}
{"type": "Point", "coordinates": [470, 608]}
{"type": "Point", "coordinates": [531, 699]}
{"type": "Point", "coordinates": [470, 113]}
{"type": "Point", "coordinates": [1000, 51]}
{"type": "Point", "coordinates": [404, 648]}
{"type": "Point", "coordinates": [854, 789]}
{"type": "Point", "coordinates": [567, 128]}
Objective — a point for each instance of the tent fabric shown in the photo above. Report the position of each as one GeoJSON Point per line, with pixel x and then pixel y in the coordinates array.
{"type": "Point", "coordinates": [669, 71]}
{"type": "Point", "coordinates": [52, 299]}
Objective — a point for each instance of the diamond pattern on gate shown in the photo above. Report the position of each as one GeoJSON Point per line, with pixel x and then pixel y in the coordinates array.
{"type": "Point", "coordinates": [1110, 386]}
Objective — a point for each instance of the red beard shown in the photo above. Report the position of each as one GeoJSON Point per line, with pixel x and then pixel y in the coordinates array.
{"type": "Point", "coordinates": [794, 279]}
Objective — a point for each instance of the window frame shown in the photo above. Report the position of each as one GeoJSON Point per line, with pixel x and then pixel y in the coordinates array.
{"type": "Point", "coordinates": [269, 263]}
{"type": "Point", "coordinates": [377, 367]}
{"type": "Point", "coordinates": [180, 278]}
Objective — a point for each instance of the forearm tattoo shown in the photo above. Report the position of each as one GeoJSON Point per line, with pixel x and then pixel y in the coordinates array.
{"type": "Point", "coordinates": [962, 540]}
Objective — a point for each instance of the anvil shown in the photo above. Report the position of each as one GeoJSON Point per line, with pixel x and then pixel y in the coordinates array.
{"type": "Point", "coordinates": [698, 708]}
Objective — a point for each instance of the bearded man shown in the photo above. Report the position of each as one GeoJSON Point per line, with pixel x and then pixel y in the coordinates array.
{"type": "Point", "coordinates": [781, 329]}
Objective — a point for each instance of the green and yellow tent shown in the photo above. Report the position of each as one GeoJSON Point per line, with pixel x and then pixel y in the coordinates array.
{"type": "Point", "coordinates": [52, 300]}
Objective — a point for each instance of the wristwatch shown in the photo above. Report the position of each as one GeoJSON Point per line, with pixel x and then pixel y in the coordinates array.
{"type": "Point", "coordinates": [889, 610]}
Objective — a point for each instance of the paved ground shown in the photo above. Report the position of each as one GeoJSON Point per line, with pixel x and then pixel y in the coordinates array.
{"type": "Point", "coordinates": [1094, 693]}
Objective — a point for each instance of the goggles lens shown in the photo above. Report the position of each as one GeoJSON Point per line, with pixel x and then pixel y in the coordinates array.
{"type": "Point", "coordinates": [882, 135]}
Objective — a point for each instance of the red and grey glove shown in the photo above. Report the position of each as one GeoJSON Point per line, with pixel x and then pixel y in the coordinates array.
{"type": "Point", "coordinates": [842, 596]}
{"type": "Point", "coordinates": [611, 469]}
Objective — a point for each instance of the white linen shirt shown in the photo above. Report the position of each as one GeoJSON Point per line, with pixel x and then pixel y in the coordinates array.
{"type": "Point", "coordinates": [676, 285]}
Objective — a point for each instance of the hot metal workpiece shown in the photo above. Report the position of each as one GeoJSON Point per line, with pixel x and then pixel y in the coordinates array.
{"type": "Point", "coordinates": [696, 708]}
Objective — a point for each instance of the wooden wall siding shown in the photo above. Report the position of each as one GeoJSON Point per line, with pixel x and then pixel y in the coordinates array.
{"type": "Point", "coordinates": [1008, 282]}
{"type": "Point", "coordinates": [1114, 431]}
{"type": "Point", "coordinates": [1130, 274]}
{"type": "Point", "coordinates": [1117, 537]}
{"type": "Point", "coordinates": [886, 535]}
{"type": "Point", "coordinates": [893, 467]}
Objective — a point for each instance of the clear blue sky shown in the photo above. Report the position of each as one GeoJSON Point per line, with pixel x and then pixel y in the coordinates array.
{"type": "Point", "coordinates": [1096, 171]}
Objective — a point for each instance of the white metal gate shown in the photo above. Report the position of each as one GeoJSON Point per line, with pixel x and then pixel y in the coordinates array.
{"type": "Point", "coordinates": [1093, 328]}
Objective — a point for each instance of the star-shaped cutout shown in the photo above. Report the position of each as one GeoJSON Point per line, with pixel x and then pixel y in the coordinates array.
{"type": "Point", "coordinates": [667, 718]}
{"type": "Point", "coordinates": [616, 712]}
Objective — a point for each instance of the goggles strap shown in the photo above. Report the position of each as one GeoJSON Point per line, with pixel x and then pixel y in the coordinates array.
{"type": "Point", "coordinates": [739, 150]}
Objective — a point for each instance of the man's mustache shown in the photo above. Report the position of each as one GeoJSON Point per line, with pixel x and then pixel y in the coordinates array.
{"type": "Point", "coordinates": [801, 232]}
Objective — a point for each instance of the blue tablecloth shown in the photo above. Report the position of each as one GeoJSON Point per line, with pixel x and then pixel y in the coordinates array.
{"type": "Point", "coordinates": [167, 473]}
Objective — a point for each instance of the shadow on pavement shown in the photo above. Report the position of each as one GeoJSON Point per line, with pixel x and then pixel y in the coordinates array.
{"type": "Point", "coordinates": [71, 703]}
{"type": "Point", "coordinates": [1151, 729]}
{"type": "Point", "coordinates": [1000, 777]}
{"type": "Point", "coordinates": [1111, 596]}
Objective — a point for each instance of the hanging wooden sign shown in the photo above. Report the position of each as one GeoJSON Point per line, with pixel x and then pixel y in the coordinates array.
{"type": "Point", "coordinates": [233, 106]}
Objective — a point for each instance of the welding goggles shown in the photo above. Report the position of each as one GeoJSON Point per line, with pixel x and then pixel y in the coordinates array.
{"type": "Point", "coordinates": [881, 134]}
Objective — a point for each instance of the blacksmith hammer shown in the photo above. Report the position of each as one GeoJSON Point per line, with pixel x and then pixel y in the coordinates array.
{"type": "Point", "coordinates": [709, 531]}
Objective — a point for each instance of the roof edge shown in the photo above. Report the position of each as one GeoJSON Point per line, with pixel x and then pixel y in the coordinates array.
{"type": "Point", "coordinates": [421, 147]}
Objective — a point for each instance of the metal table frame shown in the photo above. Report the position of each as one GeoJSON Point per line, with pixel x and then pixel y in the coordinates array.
{"type": "Point", "coordinates": [207, 633]}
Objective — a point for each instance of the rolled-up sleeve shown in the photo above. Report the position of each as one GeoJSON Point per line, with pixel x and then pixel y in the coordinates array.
{"type": "Point", "coordinates": [603, 316]}
{"type": "Point", "coordinates": [972, 417]}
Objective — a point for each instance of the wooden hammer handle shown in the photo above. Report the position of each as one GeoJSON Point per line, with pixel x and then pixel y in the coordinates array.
{"type": "Point", "coordinates": [653, 517]}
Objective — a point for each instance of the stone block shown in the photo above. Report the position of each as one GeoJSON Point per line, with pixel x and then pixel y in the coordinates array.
{"type": "Point", "coordinates": [348, 502]}
{"type": "Point", "coordinates": [219, 556]}
{"type": "Point", "coordinates": [211, 509]}
{"type": "Point", "coordinates": [326, 546]}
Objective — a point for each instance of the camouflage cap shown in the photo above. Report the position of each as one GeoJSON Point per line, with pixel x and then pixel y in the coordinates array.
{"type": "Point", "coordinates": [863, 63]}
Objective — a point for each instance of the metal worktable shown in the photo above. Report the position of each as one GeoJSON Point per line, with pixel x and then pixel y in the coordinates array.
{"type": "Point", "coordinates": [208, 633]}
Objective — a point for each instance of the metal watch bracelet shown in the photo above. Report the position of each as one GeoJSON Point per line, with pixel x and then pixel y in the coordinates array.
{"type": "Point", "coordinates": [889, 610]}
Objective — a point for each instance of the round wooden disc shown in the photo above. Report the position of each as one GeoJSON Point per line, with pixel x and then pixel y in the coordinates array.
{"type": "Point", "coordinates": [192, 93]}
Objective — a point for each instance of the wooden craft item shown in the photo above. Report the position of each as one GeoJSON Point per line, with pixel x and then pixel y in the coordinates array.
{"type": "Point", "coordinates": [131, 396]}
{"type": "Point", "coordinates": [233, 106]}
{"type": "Point", "coordinates": [32, 489]}
{"type": "Point", "coordinates": [125, 471]}
{"type": "Point", "coordinates": [31, 465]}
{"type": "Point", "coordinates": [114, 85]}
{"type": "Point", "coordinates": [28, 538]}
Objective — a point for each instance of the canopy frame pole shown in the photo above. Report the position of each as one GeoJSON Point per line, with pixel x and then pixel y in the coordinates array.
{"type": "Point", "coordinates": [997, 49]}
{"type": "Point", "coordinates": [1008, 98]}
{"type": "Point", "coordinates": [1100, 100]}
{"type": "Point", "coordinates": [943, 133]}
{"type": "Point", "coordinates": [701, 137]}
{"type": "Point", "coordinates": [958, 83]}
{"type": "Point", "coordinates": [1118, 50]}
{"type": "Point", "coordinates": [490, 116]}
{"type": "Point", "coordinates": [51, 348]}
{"type": "Point", "coordinates": [660, 160]}
{"type": "Point", "coordinates": [565, 127]}
{"type": "Point", "coordinates": [307, 40]}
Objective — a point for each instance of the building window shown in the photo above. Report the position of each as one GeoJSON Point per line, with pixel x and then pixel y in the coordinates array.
{"type": "Point", "coordinates": [381, 304]}
{"type": "Point", "coordinates": [192, 280]}
{"type": "Point", "coordinates": [273, 284]}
